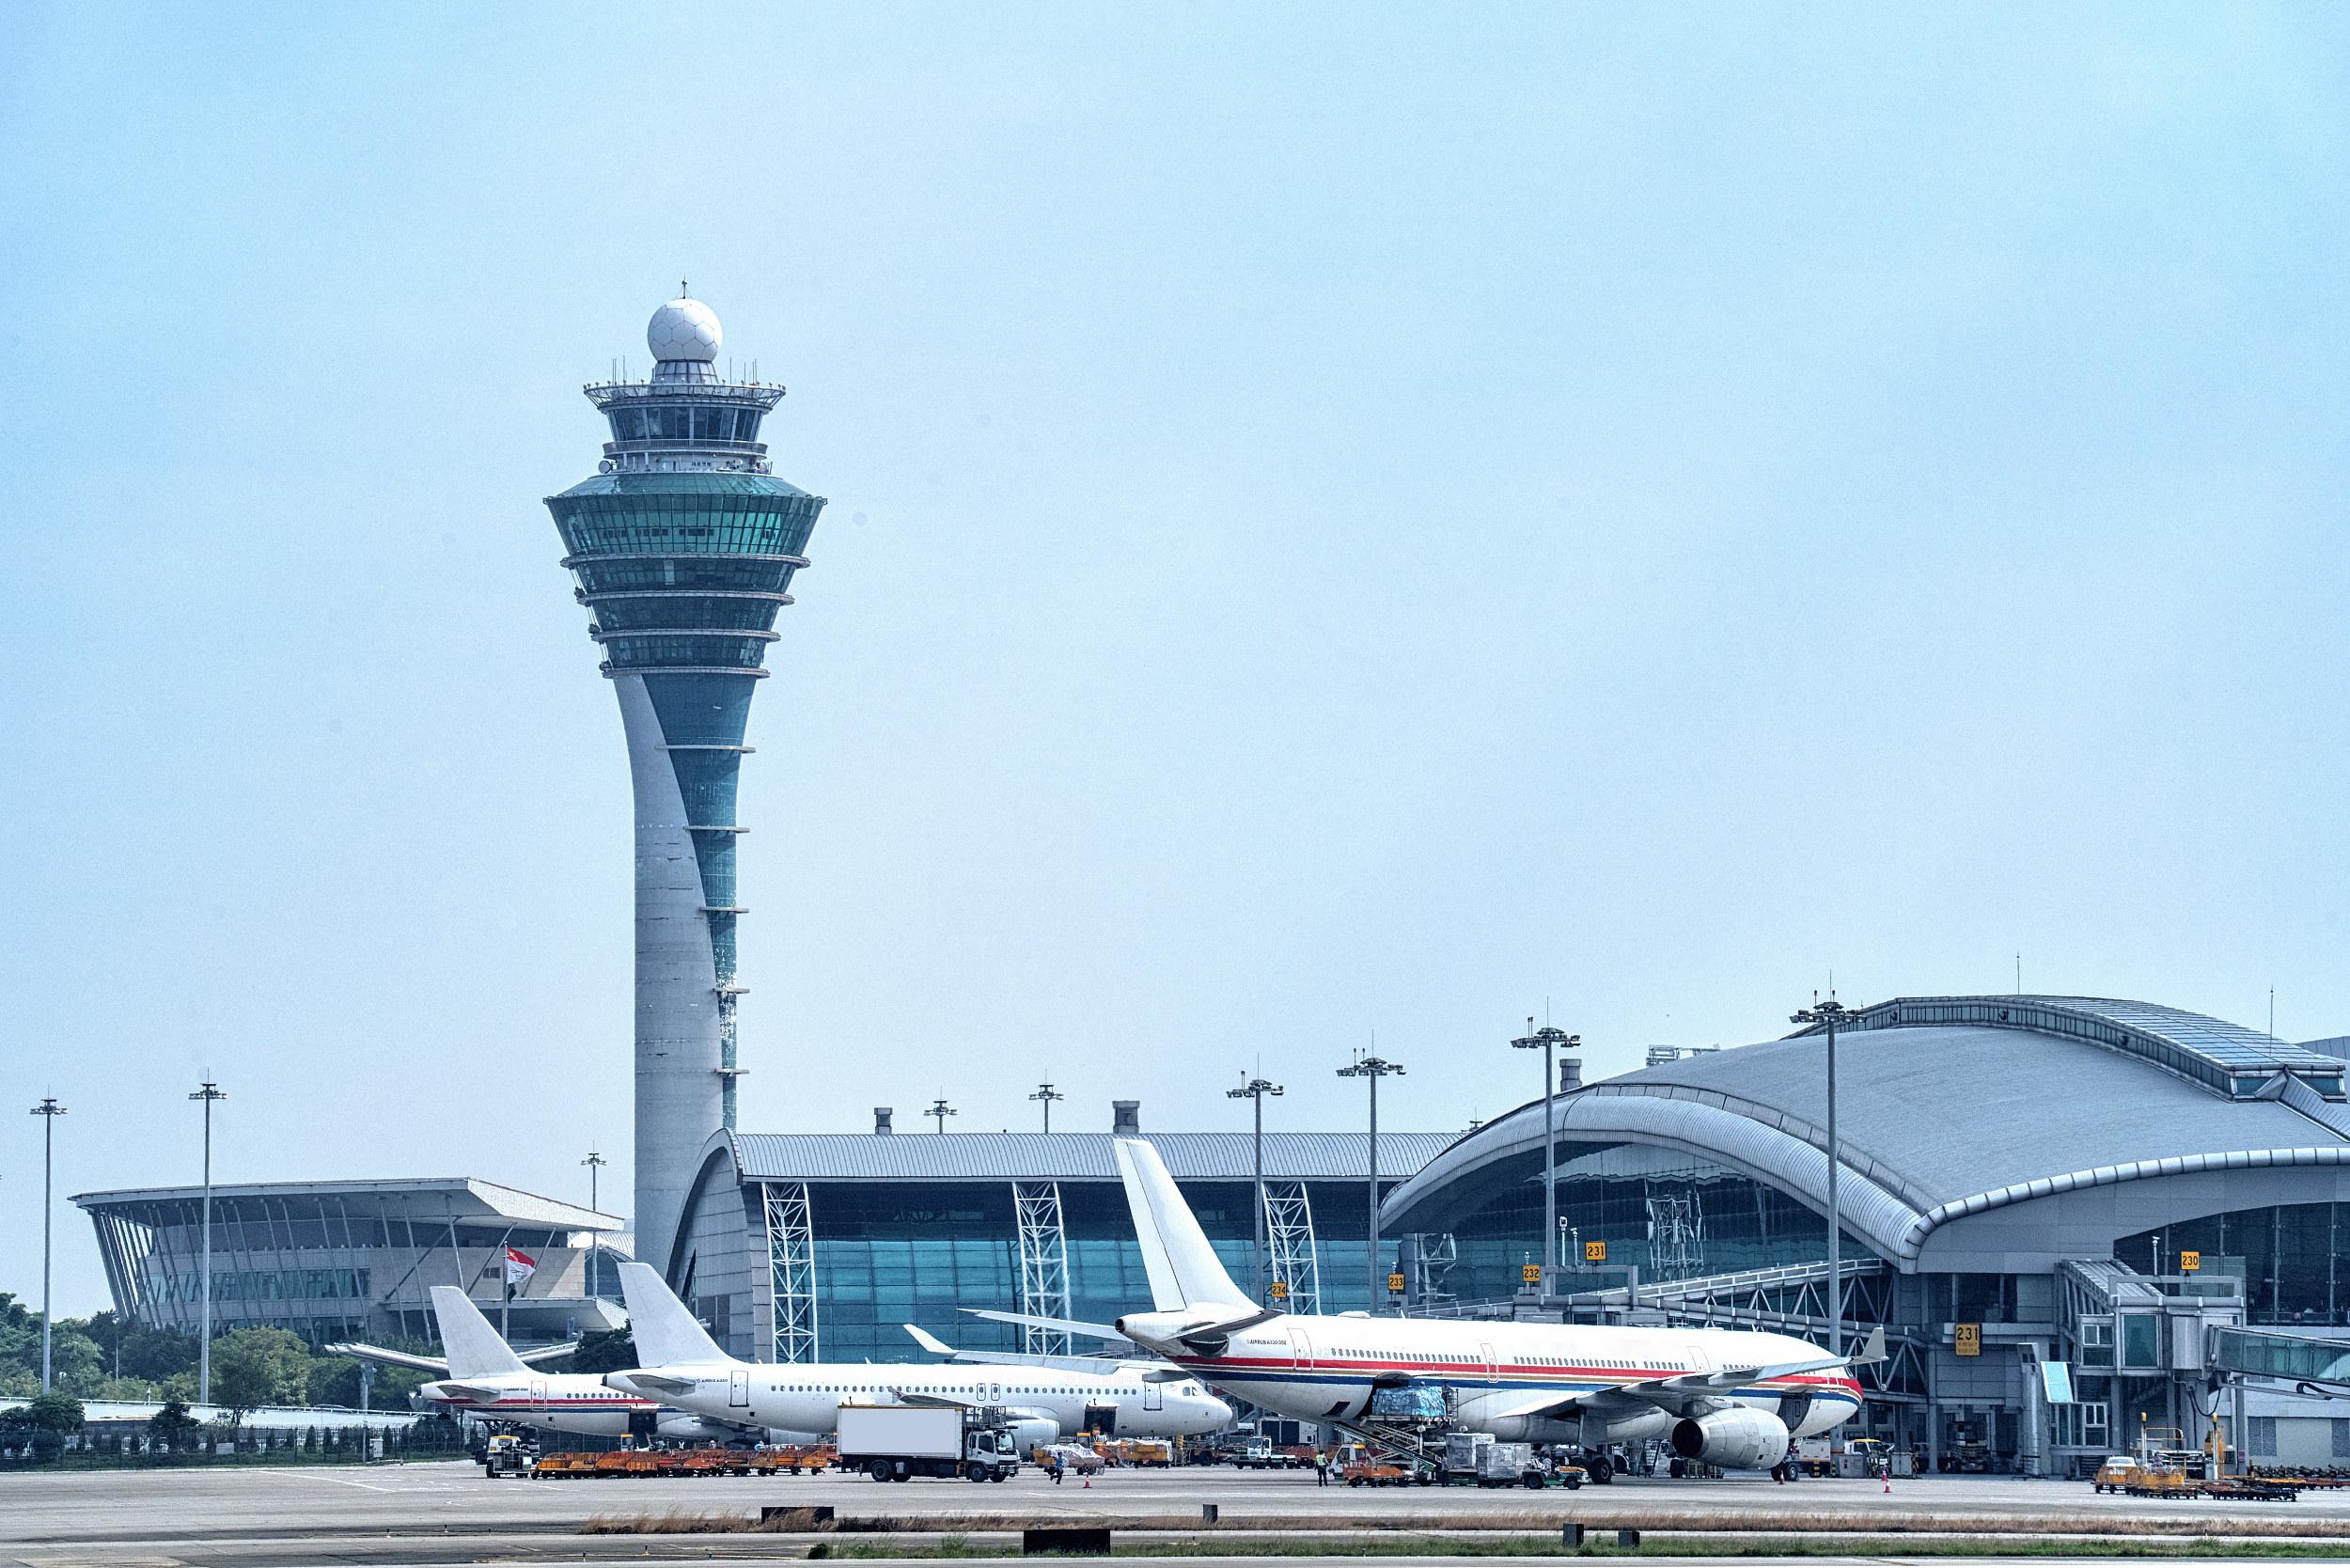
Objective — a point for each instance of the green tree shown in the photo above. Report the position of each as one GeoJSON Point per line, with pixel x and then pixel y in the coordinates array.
{"type": "Point", "coordinates": [335, 1379]}
{"type": "Point", "coordinates": [55, 1412]}
{"type": "Point", "coordinates": [602, 1353]}
{"type": "Point", "coordinates": [256, 1367]}
{"type": "Point", "coordinates": [173, 1425]}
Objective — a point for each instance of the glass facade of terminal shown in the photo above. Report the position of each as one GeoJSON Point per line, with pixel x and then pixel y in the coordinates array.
{"type": "Point", "coordinates": [1668, 1215]}
{"type": "Point", "coordinates": [2288, 1255]}
{"type": "Point", "coordinates": [890, 1254]}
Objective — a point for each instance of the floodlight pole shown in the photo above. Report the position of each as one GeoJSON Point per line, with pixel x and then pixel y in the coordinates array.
{"type": "Point", "coordinates": [208, 1093]}
{"type": "Point", "coordinates": [1257, 1089]}
{"type": "Point", "coordinates": [1549, 1040]}
{"type": "Point", "coordinates": [1374, 1069]}
{"type": "Point", "coordinates": [941, 1111]}
{"type": "Point", "coordinates": [48, 1111]}
{"type": "Point", "coordinates": [1044, 1092]}
{"type": "Point", "coordinates": [1829, 1015]}
{"type": "Point", "coordinates": [594, 1161]}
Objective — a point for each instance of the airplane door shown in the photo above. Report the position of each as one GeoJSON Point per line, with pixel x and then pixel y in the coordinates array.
{"type": "Point", "coordinates": [1301, 1347]}
{"type": "Point", "coordinates": [994, 1393]}
{"type": "Point", "coordinates": [1493, 1363]}
{"type": "Point", "coordinates": [538, 1395]}
{"type": "Point", "coordinates": [1154, 1396]}
{"type": "Point", "coordinates": [739, 1388]}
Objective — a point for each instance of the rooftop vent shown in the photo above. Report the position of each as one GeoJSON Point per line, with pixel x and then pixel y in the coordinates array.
{"type": "Point", "coordinates": [1126, 1119]}
{"type": "Point", "coordinates": [1570, 1075]}
{"type": "Point", "coordinates": [881, 1118]}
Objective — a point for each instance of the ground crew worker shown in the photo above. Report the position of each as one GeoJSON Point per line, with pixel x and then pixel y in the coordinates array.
{"type": "Point", "coordinates": [1322, 1466]}
{"type": "Point", "coordinates": [1057, 1461]}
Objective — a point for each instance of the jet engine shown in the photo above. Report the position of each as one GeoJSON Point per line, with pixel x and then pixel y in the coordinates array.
{"type": "Point", "coordinates": [1736, 1439]}
{"type": "Point", "coordinates": [1032, 1430]}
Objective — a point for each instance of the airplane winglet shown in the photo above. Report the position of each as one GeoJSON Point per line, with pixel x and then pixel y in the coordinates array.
{"type": "Point", "coordinates": [930, 1342]}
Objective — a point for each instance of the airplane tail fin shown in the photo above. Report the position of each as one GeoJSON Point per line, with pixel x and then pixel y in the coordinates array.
{"type": "Point", "coordinates": [667, 1334]}
{"type": "Point", "coordinates": [474, 1347]}
{"type": "Point", "coordinates": [1183, 1267]}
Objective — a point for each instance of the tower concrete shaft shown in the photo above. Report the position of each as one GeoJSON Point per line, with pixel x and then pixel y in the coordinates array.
{"type": "Point", "coordinates": [682, 546]}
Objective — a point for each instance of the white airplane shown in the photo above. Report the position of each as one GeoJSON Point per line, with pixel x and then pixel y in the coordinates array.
{"type": "Point", "coordinates": [1726, 1397]}
{"type": "Point", "coordinates": [487, 1379]}
{"type": "Point", "coordinates": [685, 1367]}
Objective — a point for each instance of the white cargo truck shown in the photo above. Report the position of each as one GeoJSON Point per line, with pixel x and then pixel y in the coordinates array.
{"type": "Point", "coordinates": [898, 1442]}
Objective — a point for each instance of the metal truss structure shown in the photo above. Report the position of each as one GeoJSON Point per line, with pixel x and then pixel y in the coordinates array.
{"type": "Point", "coordinates": [1289, 1226]}
{"type": "Point", "coordinates": [1433, 1257]}
{"type": "Point", "coordinates": [792, 1269]}
{"type": "Point", "coordinates": [1676, 1236]}
{"type": "Point", "coordinates": [1043, 1266]}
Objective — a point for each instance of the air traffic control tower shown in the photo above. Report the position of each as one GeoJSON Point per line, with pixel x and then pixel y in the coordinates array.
{"type": "Point", "coordinates": [683, 545]}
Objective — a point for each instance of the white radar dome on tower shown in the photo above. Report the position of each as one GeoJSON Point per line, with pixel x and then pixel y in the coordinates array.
{"type": "Point", "coordinates": [684, 329]}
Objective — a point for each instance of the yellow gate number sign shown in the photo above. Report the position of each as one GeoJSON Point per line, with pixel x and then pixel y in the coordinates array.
{"type": "Point", "coordinates": [1595, 1252]}
{"type": "Point", "coordinates": [1531, 1273]}
{"type": "Point", "coordinates": [1395, 1283]}
{"type": "Point", "coordinates": [2190, 1262]}
{"type": "Point", "coordinates": [1970, 1338]}
{"type": "Point", "coordinates": [1280, 1290]}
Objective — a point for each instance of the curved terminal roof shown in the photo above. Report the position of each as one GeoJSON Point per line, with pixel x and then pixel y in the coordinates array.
{"type": "Point", "coordinates": [1945, 1106]}
{"type": "Point", "coordinates": [443, 1196]}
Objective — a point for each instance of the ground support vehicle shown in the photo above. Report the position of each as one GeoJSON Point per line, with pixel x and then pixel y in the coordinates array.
{"type": "Point", "coordinates": [507, 1455]}
{"type": "Point", "coordinates": [2251, 1489]}
{"type": "Point", "coordinates": [806, 1461]}
{"type": "Point", "coordinates": [1075, 1458]}
{"type": "Point", "coordinates": [1508, 1464]}
{"type": "Point", "coordinates": [1372, 1472]}
{"type": "Point", "coordinates": [899, 1442]}
{"type": "Point", "coordinates": [1257, 1453]}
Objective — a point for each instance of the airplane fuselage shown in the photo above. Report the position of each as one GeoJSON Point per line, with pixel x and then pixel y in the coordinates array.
{"type": "Point", "coordinates": [563, 1402]}
{"type": "Point", "coordinates": [809, 1397]}
{"type": "Point", "coordinates": [1323, 1369]}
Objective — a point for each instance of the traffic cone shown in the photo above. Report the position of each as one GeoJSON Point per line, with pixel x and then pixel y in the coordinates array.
{"type": "Point", "coordinates": [1089, 1485]}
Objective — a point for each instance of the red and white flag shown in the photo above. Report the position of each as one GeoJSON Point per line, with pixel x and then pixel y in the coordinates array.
{"type": "Point", "coordinates": [519, 1267]}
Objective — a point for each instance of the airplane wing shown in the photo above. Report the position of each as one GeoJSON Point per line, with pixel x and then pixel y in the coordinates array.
{"type": "Point", "coordinates": [936, 1402]}
{"type": "Point", "coordinates": [1672, 1392]}
{"type": "Point", "coordinates": [548, 1353]}
{"type": "Point", "coordinates": [1149, 1369]}
{"type": "Point", "coordinates": [638, 1381]}
{"type": "Point", "coordinates": [1090, 1330]}
{"type": "Point", "coordinates": [391, 1358]}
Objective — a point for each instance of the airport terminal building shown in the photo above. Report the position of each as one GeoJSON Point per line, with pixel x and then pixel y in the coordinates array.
{"type": "Point", "coordinates": [356, 1259]}
{"type": "Point", "coordinates": [808, 1247]}
{"type": "Point", "coordinates": [2041, 1197]}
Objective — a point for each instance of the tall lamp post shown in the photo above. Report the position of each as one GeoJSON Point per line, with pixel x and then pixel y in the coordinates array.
{"type": "Point", "coordinates": [1044, 1092]}
{"type": "Point", "coordinates": [941, 1111]}
{"type": "Point", "coordinates": [595, 1163]}
{"type": "Point", "coordinates": [1549, 1040]}
{"type": "Point", "coordinates": [208, 1093]}
{"type": "Point", "coordinates": [1257, 1089]}
{"type": "Point", "coordinates": [1374, 1069]}
{"type": "Point", "coordinates": [1832, 1014]}
{"type": "Point", "coordinates": [48, 1111]}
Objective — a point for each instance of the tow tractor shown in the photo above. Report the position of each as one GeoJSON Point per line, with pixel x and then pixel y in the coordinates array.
{"type": "Point", "coordinates": [507, 1455]}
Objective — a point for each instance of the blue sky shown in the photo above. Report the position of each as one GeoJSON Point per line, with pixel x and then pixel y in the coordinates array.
{"type": "Point", "coordinates": [1342, 521]}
